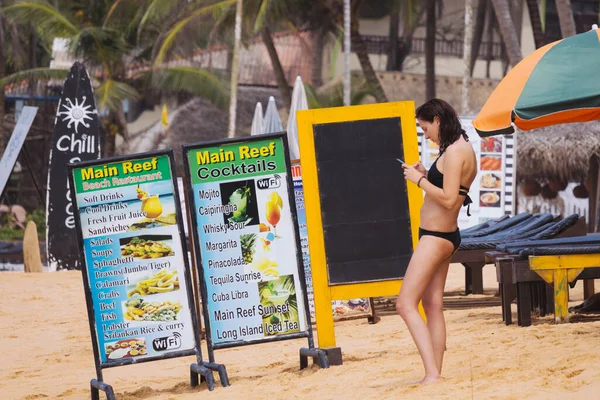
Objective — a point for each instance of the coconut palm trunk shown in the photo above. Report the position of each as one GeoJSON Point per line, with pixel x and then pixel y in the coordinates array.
{"type": "Point", "coordinates": [507, 31]}
{"type": "Point", "coordinates": [430, 50]}
{"type": "Point", "coordinates": [318, 41]}
{"type": "Point", "coordinates": [235, 69]}
{"type": "Point", "coordinates": [2, 74]}
{"type": "Point", "coordinates": [467, 55]}
{"type": "Point", "coordinates": [363, 56]}
{"type": "Point", "coordinates": [284, 87]}
{"type": "Point", "coordinates": [565, 18]}
{"type": "Point", "coordinates": [536, 23]}
{"type": "Point", "coordinates": [482, 9]}
{"type": "Point", "coordinates": [392, 61]}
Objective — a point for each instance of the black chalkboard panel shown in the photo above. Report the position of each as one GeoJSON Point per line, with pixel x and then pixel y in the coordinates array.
{"type": "Point", "coordinates": [364, 201]}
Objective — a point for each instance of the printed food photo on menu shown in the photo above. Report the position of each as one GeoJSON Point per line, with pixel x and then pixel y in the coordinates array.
{"type": "Point", "coordinates": [145, 247]}
{"type": "Point", "coordinates": [144, 311]}
{"type": "Point", "coordinates": [491, 145]}
{"type": "Point", "coordinates": [490, 181]}
{"type": "Point", "coordinates": [125, 348]}
{"type": "Point", "coordinates": [241, 196]}
{"type": "Point", "coordinates": [489, 199]}
{"type": "Point", "coordinates": [491, 163]}
{"type": "Point", "coordinates": [163, 281]}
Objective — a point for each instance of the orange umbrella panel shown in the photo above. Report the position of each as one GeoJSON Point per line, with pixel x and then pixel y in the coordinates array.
{"type": "Point", "coordinates": [557, 83]}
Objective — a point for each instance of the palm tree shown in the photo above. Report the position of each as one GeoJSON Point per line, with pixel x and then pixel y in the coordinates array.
{"type": "Point", "coordinates": [14, 40]}
{"type": "Point", "coordinates": [565, 17]}
{"type": "Point", "coordinates": [102, 48]}
{"type": "Point", "coordinates": [234, 68]}
{"type": "Point", "coordinates": [467, 41]}
{"type": "Point", "coordinates": [105, 40]}
{"type": "Point", "coordinates": [536, 23]}
{"type": "Point", "coordinates": [430, 51]}
{"type": "Point", "coordinates": [482, 10]}
{"type": "Point", "coordinates": [507, 31]}
{"type": "Point", "coordinates": [360, 49]}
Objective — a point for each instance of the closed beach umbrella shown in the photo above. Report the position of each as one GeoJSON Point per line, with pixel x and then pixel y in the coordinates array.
{"type": "Point", "coordinates": [257, 120]}
{"type": "Point", "coordinates": [556, 84]}
{"type": "Point", "coordinates": [272, 123]}
{"type": "Point", "coordinates": [299, 102]}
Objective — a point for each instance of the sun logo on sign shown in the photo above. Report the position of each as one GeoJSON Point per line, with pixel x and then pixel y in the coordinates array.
{"type": "Point", "coordinates": [76, 113]}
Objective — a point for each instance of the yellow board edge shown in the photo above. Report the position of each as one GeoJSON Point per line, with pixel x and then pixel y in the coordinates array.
{"type": "Point", "coordinates": [323, 293]}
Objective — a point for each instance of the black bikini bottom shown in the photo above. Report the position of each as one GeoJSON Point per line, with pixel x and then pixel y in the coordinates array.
{"type": "Point", "coordinates": [452, 237]}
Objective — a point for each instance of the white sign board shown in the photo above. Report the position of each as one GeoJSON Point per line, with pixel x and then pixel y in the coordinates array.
{"type": "Point", "coordinates": [13, 148]}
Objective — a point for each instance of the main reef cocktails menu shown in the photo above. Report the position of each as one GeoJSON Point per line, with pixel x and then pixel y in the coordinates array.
{"type": "Point", "coordinates": [247, 240]}
{"type": "Point", "coordinates": [134, 258]}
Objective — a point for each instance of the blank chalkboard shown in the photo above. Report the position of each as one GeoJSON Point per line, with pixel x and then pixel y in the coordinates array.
{"type": "Point", "coordinates": [364, 201]}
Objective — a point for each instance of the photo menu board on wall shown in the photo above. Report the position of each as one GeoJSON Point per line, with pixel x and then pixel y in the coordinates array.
{"type": "Point", "coordinates": [492, 189]}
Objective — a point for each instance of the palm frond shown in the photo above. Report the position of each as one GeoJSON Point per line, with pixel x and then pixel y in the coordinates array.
{"type": "Point", "coordinates": [216, 10]}
{"type": "Point", "coordinates": [195, 81]}
{"type": "Point", "coordinates": [48, 21]}
{"type": "Point", "coordinates": [111, 94]}
{"type": "Point", "coordinates": [312, 96]}
{"type": "Point", "coordinates": [271, 10]}
{"type": "Point", "coordinates": [34, 73]}
{"type": "Point", "coordinates": [111, 11]}
{"type": "Point", "coordinates": [261, 15]}
{"type": "Point", "coordinates": [99, 45]}
{"type": "Point", "coordinates": [157, 10]}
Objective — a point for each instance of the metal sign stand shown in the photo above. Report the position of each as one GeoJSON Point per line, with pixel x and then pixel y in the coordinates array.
{"type": "Point", "coordinates": [198, 371]}
{"type": "Point", "coordinates": [319, 355]}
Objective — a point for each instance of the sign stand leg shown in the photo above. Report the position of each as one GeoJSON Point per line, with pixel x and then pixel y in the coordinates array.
{"type": "Point", "coordinates": [96, 386]}
{"type": "Point", "coordinates": [205, 375]}
{"type": "Point", "coordinates": [318, 354]}
{"type": "Point", "coordinates": [220, 368]}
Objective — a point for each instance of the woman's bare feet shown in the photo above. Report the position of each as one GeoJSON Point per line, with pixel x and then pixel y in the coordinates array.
{"type": "Point", "coordinates": [426, 380]}
{"type": "Point", "coordinates": [430, 379]}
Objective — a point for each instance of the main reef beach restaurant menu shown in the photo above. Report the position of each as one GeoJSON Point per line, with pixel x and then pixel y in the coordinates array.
{"type": "Point", "coordinates": [248, 242]}
{"type": "Point", "coordinates": [134, 258]}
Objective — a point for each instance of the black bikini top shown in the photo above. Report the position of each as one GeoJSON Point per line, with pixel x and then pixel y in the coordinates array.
{"type": "Point", "coordinates": [437, 179]}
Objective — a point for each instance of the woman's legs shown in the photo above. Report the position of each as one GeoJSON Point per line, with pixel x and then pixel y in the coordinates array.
{"type": "Point", "coordinates": [429, 254]}
{"type": "Point", "coordinates": [433, 306]}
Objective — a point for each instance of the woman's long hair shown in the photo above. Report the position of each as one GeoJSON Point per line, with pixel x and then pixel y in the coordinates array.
{"type": "Point", "coordinates": [450, 127]}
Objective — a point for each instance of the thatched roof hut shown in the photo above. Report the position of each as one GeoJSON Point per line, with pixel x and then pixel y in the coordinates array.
{"type": "Point", "coordinates": [199, 120]}
{"type": "Point", "coordinates": [561, 152]}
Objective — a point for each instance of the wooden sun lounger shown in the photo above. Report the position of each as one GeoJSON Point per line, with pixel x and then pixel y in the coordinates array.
{"type": "Point", "coordinates": [526, 280]}
{"type": "Point", "coordinates": [474, 260]}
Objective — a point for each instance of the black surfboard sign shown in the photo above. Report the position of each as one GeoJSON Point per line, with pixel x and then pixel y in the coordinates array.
{"type": "Point", "coordinates": [75, 138]}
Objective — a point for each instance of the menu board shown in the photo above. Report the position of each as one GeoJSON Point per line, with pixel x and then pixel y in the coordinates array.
{"type": "Point", "coordinates": [134, 258]}
{"type": "Point", "coordinates": [341, 309]}
{"type": "Point", "coordinates": [491, 191]}
{"type": "Point", "coordinates": [246, 239]}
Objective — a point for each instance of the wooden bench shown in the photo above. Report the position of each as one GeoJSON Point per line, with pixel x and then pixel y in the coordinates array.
{"type": "Point", "coordinates": [560, 271]}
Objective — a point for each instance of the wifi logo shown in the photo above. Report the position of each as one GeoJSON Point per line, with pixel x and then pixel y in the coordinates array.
{"type": "Point", "coordinates": [167, 342]}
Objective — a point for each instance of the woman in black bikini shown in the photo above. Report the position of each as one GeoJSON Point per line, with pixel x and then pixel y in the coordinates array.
{"type": "Point", "coordinates": [446, 187]}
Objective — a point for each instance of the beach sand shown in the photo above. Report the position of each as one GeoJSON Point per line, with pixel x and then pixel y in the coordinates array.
{"type": "Point", "coordinates": [46, 353]}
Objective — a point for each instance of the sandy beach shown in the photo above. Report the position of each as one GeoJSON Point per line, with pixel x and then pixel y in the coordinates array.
{"type": "Point", "coordinates": [46, 353]}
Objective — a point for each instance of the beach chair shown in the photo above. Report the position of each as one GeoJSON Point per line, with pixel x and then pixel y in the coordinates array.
{"type": "Point", "coordinates": [518, 281]}
{"type": "Point", "coordinates": [481, 240]}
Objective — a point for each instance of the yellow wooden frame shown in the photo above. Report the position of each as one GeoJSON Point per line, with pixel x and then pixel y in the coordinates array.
{"type": "Point", "coordinates": [559, 271]}
{"type": "Point", "coordinates": [323, 293]}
